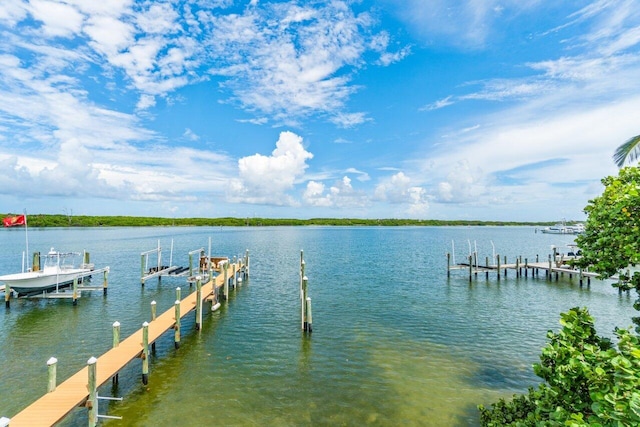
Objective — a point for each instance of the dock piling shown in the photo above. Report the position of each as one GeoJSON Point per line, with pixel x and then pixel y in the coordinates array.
{"type": "Point", "coordinates": [498, 265]}
{"type": "Point", "coordinates": [226, 280]}
{"type": "Point", "coordinates": [448, 264]}
{"type": "Point", "coordinates": [198, 303]}
{"type": "Point", "coordinates": [7, 295]}
{"type": "Point", "coordinates": [176, 336]}
{"type": "Point", "coordinates": [309, 316]}
{"type": "Point", "coordinates": [51, 370]}
{"type": "Point", "coordinates": [75, 291]}
{"type": "Point", "coordinates": [303, 298]}
{"type": "Point", "coordinates": [145, 353]}
{"type": "Point", "coordinates": [105, 282]}
{"type": "Point", "coordinates": [246, 265]}
{"type": "Point", "coordinates": [153, 310]}
{"type": "Point", "coordinates": [116, 343]}
{"type": "Point", "coordinates": [92, 401]}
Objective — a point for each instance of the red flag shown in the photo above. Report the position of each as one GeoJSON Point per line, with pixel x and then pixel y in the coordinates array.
{"type": "Point", "coordinates": [12, 221]}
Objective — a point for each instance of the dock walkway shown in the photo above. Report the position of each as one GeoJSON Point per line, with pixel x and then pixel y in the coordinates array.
{"type": "Point", "coordinates": [54, 406]}
{"type": "Point", "coordinates": [548, 267]}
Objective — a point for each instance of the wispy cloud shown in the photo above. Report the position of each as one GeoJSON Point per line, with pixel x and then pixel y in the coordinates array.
{"type": "Point", "coordinates": [288, 60]}
{"type": "Point", "coordinates": [441, 103]}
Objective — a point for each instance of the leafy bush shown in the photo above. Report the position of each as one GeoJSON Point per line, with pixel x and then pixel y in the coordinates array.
{"type": "Point", "coordinates": [588, 381]}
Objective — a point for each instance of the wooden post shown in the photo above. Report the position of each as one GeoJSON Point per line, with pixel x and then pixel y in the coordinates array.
{"type": "Point", "coordinates": [235, 275]}
{"type": "Point", "coordinates": [198, 303]}
{"type": "Point", "coordinates": [303, 306]}
{"type": "Point", "coordinates": [116, 343]}
{"type": "Point", "coordinates": [526, 267]}
{"type": "Point", "coordinates": [246, 265]}
{"type": "Point", "coordinates": [191, 264]}
{"type": "Point", "coordinates": [517, 267]}
{"type": "Point", "coordinates": [505, 266]}
{"type": "Point", "coordinates": [142, 271]}
{"type": "Point", "coordinates": [116, 334]}
{"type": "Point", "coordinates": [580, 276]}
{"type": "Point", "coordinates": [75, 291]}
{"type": "Point", "coordinates": [470, 267]}
{"type": "Point", "coordinates": [92, 401]}
{"type": "Point", "coordinates": [486, 261]}
{"type": "Point", "coordinates": [145, 353]}
{"type": "Point", "coordinates": [178, 293]}
{"type": "Point", "coordinates": [176, 336]}
{"type": "Point", "coordinates": [448, 264]}
{"type": "Point", "coordinates": [35, 262]}
{"type": "Point", "coordinates": [215, 303]}
{"type": "Point", "coordinates": [498, 269]}
{"type": "Point", "coordinates": [309, 317]}
{"type": "Point", "coordinates": [7, 295]}
{"type": "Point", "coordinates": [550, 267]}
{"type": "Point", "coordinates": [105, 282]}
{"type": "Point", "coordinates": [475, 262]}
{"type": "Point", "coordinates": [226, 281]}
{"type": "Point", "coordinates": [51, 368]}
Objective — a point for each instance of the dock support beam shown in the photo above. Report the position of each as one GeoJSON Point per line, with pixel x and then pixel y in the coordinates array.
{"type": "Point", "coordinates": [448, 264]}
{"type": "Point", "coordinates": [7, 295]}
{"type": "Point", "coordinates": [498, 269]}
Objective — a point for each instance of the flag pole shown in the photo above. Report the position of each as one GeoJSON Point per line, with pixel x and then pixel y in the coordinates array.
{"type": "Point", "coordinates": [26, 237]}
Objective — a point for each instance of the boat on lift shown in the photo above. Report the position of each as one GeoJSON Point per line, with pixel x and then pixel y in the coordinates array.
{"type": "Point", "coordinates": [60, 269]}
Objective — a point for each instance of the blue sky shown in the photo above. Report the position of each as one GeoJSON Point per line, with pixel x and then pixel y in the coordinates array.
{"type": "Point", "coordinates": [493, 110]}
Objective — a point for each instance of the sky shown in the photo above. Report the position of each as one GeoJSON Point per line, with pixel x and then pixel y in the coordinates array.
{"type": "Point", "coordinates": [456, 110]}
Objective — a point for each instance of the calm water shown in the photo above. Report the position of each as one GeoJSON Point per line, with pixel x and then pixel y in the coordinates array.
{"type": "Point", "coordinates": [395, 342]}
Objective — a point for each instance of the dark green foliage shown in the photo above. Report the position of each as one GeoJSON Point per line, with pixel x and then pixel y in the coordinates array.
{"type": "Point", "coordinates": [38, 220]}
{"type": "Point", "coordinates": [611, 242]}
{"type": "Point", "coordinates": [588, 381]}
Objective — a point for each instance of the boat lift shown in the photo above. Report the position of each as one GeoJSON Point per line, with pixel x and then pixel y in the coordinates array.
{"type": "Point", "coordinates": [68, 290]}
{"type": "Point", "coordinates": [201, 269]}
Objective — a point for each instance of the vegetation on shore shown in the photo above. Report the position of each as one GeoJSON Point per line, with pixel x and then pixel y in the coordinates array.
{"type": "Point", "coordinates": [589, 380]}
{"type": "Point", "coordinates": [42, 220]}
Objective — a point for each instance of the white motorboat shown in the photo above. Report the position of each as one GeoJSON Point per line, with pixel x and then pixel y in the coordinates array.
{"type": "Point", "coordinates": [59, 270]}
{"type": "Point", "coordinates": [562, 228]}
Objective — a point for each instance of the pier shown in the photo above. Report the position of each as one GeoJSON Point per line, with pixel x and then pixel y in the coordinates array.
{"type": "Point", "coordinates": [81, 388]}
{"type": "Point", "coordinates": [555, 264]}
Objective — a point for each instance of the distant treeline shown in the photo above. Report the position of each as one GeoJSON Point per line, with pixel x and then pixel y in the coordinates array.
{"type": "Point", "coordinates": [137, 221]}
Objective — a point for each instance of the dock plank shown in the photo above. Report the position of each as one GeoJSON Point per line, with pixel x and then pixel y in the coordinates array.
{"type": "Point", "coordinates": [73, 392]}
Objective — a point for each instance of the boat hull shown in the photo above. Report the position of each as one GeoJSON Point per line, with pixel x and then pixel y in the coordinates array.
{"type": "Point", "coordinates": [39, 281]}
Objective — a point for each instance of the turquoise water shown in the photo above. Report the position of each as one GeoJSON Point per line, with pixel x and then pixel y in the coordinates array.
{"type": "Point", "coordinates": [394, 342]}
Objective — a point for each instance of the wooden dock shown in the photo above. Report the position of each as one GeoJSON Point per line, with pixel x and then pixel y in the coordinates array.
{"type": "Point", "coordinates": [54, 406]}
{"type": "Point", "coordinates": [557, 265]}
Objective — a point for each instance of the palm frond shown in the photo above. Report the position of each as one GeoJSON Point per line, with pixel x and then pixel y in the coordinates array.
{"type": "Point", "coordinates": [629, 151]}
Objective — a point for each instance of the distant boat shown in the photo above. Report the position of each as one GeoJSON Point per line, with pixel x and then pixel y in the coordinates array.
{"type": "Point", "coordinates": [562, 228]}
{"type": "Point", "coordinates": [59, 270]}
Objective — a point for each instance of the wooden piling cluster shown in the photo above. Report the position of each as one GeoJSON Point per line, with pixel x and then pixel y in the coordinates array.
{"type": "Point", "coordinates": [306, 317]}
{"type": "Point", "coordinates": [522, 268]}
{"type": "Point", "coordinates": [81, 388]}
